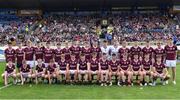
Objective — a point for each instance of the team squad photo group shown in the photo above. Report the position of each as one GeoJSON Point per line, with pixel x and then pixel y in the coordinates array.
{"type": "Point", "coordinates": [90, 63]}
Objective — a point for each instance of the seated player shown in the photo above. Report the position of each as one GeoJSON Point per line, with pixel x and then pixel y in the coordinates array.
{"type": "Point", "coordinates": [62, 68]}
{"type": "Point", "coordinates": [114, 69]}
{"type": "Point", "coordinates": [25, 72]}
{"type": "Point", "coordinates": [103, 69]}
{"type": "Point", "coordinates": [10, 71]}
{"type": "Point", "coordinates": [124, 69]}
{"type": "Point", "coordinates": [147, 69]}
{"type": "Point", "coordinates": [40, 70]}
{"type": "Point", "coordinates": [160, 71]}
{"type": "Point", "coordinates": [73, 69]}
{"type": "Point", "coordinates": [51, 71]}
{"type": "Point", "coordinates": [83, 68]}
{"type": "Point", "coordinates": [136, 68]}
{"type": "Point", "coordinates": [94, 67]}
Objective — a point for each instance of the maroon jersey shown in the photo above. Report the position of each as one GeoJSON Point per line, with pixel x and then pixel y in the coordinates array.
{"type": "Point", "coordinates": [94, 64]}
{"type": "Point", "coordinates": [170, 52]}
{"type": "Point", "coordinates": [147, 65]}
{"type": "Point", "coordinates": [159, 67]}
{"type": "Point", "coordinates": [87, 52]}
{"type": "Point", "coordinates": [96, 50]}
{"type": "Point", "coordinates": [57, 54]}
{"type": "Point", "coordinates": [10, 54]}
{"type": "Point", "coordinates": [123, 51]}
{"type": "Point", "coordinates": [40, 68]}
{"type": "Point", "coordinates": [19, 55]}
{"type": "Point", "coordinates": [75, 50]}
{"type": "Point", "coordinates": [66, 51]}
{"type": "Point", "coordinates": [136, 51]}
{"type": "Point", "coordinates": [25, 69]}
{"type": "Point", "coordinates": [149, 51]}
{"type": "Point", "coordinates": [52, 68]}
{"type": "Point", "coordinates": [83, 65]}
{"type": "Point", "coordinates": [38, 52]}
{"type": "Point", "coordinates": [114, 65]}
{"type": "Point", "coordinates": [10, 69]}
{"type": "Point", "coordinates": [104, 64]}
{"type": "Point", "coordinates": [73, 64]}
{"type": "Point", "coordinates": [29, 52]}
{"type": "Point", "coordinates": [62, 64]}
{"type": "Point", "coordinates": [136, 65]}
{"type": "Point", "coordinates": [159, 52]}
{"type": "Point", "coordinates": [124, 64]}
{"type": "Point", "coordinates": [48, 55]}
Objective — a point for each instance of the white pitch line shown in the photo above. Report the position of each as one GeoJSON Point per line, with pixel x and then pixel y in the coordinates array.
{"type": "Point", "coordinates": [5, 86]}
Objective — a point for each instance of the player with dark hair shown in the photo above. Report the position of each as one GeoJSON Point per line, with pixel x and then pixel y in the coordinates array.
{"type": "Point", "coordinates": [86, 50]}
{"type": "Point", "coordinates": [10, 53]}
{"type": "Point", "coordinates": [29, 54]}
{"type": "Point", "coordinates": [147, 50]}
{"type": "Point", "coordinates": [75, 49]}
{"type": "Point", "coordinates": [19, 56]}
{"type": "Point", "coordinates": [38, 52]}
{"type": "Point", "coordinates": [51, 71]}
{"type": "Point", "coordinates": [95, 48]}
{"type": "Point", "coordinates": [124, 50]}
{"type": "Point", "coordinates": [48, 54]}
{"type": "Point", "coordinates": [135, 50]}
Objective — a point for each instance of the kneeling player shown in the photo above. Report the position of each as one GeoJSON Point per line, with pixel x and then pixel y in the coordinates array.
{"type": "Point", "coordinates": [25, 72]}
{"type": "Point", "coordinates": [114, 69]}
{"type": "Point", "coordinates": [160, 71]}
{"type": "Point", "coordinates": [83, 68]}
{"type": "Point", "coordinates": [103, 67]}
{"type": "Point", "coordinates": [136, 69]}
{"type": "Point", "coordinates": [124, 70]}
{"type": "Point", "coordinates": [94, 67]}
{"type": "Point", "coordinates": [62, 68]}
{"type": "Point", "coordinates": [39, 71]}
{"type": "Point", "coordinates": [72, 71]}
{"type": "Point", "coordinates": [147, 69]}
{"type": "Point", "coordinates": [51, 71]}
{"type": "Point", "coordinates": [10, 71]}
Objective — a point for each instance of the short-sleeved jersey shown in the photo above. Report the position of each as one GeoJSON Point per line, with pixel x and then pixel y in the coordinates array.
{"type": "Point", "coordinates": [24, 69]}
{"type": "Point", "coordinates": [147, 64]}
{"type": "Point", "coordinates": [136, 65]}
{"type": "Point", "coordinates": [38, 51]}
{"type": "Point", "coordinates": [29, 53]}
{"type": "Point", "coordinates": [66, 51]}
{"type": "Point", "coordinates": [83, 64]}
{"type": "Point", "coordinates": [57, 54]}
{"type": "Point", "coordinates": [87, 52]}
{"type": "Point", "coordinates": [104, 64]}
{"type": "Point", "coordinates": [147, 50]}
{"type": "Point", "coordinates": [123, 51]}
{"type": "Point", "coordinates": [40, 68]}
{"type": "Point", "coordinates": [73, 64]}
{"type": "Point", "coordinates": [76, 51]}
{"type": "Point", "coordinates": [159, 52]}
{"type": "Point", "coordinates": [135, 51]}
{"type": "Point", "coordinates": [159, 67]}
{"type": "Point", "coordinates": [48, 55]}
{"type": "Point", "coordinates": [96, 50]}
{"type": "Point", "coordinates": [10, 54]}
{"type": "Point", "coordinates": [10, 69]}
{"type": "Point", "coordinates": [114, 65]}
{"type": "Point", "coordinates": [51, 68]}
{"type": "Point", "coordinates": [170, 52]}
{"type": "Point", "coordinates": [124, 64]}
{"type": "Point", "coordinates": [19, 55]}
{"type": "Point", "coordinates": [62, 64]}
{"type": "Point", "coordinates": [94, 64]}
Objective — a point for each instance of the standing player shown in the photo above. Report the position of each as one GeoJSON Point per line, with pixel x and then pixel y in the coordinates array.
{"type": "Point", "coordinates": [62, 68]}
{"type": "Point", "coordinates": [10, 71]}
{"type": "Point", "coordinates": [10, 53]}
{"type": "Point", "coordinates": [124, 70]}
{"type": "Point", "coordinates": [147, 69]}
{"type": "Point", "coordinates": [48, 54]}
{"type": "Point", "coordinates": [87, 51]}
{"type": "Point", "coordinates": [29, 54]}
{"type": "Point", "coordinates": [114, 49]}
{"type": "Point", "coordinates": [103, 69]}
{"type": "Point", "coordinates": [38, 52]}
{"type": "Point", "coordinates": [94, 67]}
{"type": "Point", "coordinates": [123, 50]}
{"type": "Point", "coordinates": [135, 50]}
{"type": "Point", "coordinates": [25, 72]}
{"type": "Point", "coordinates": [159, 52]}
{"type": "Point", "coordinates": [57, 53]}
{"type": "Point", "coordinates": [73, 68]}
{"type": "Point", "coordinates": [171, 53]}
{"type": "Point", "coordinates": [160, 71]}
{"type": "Point", "coordinates": [83, 68]}
{"type": "Point", "coordinates": [95, 48]}
{"type": "Point", "coordinates": [147, 50]}
{"type": "Point", "coordinates": [75, 49]}
{"type": "Point", "coordinates": [51, 71]}
{"type": "Point", "coordinates": [105, 48]}
{"type": "Point", "coordinates": [66, 51]}
{"type": "Point", "coordinates": [114, 69]}
{"type": "Point", "coordinates": [40, 70]}
{"type": "Point", "coordinates": [136, 67]}
{"type": "Point", "coordinates": [19, 56]}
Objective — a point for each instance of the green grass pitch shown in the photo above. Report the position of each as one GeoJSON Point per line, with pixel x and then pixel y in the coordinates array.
{"type": "Point", "coordinates": [46, 91]}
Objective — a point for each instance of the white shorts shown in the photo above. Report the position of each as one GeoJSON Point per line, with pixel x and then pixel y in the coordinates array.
{"type": "Point", "coordinates": [62, 72]}
{"type": "Point", "coordinates": [39, 74]}
{"type": "Point", "coordinates": [170, 63]}
{"type": "Point", "coordinates": [83, 71]}
{"type": "Point", "coordinates": [46, 64]}
{"type": "Point", "coordinates": [94, 72]}
{"type": "Point", "coordinates": [25, 75]}
{"type": "Point", "coordinates": [30, 63]}
{"type": "Point", "coordinates": [72, 71]}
